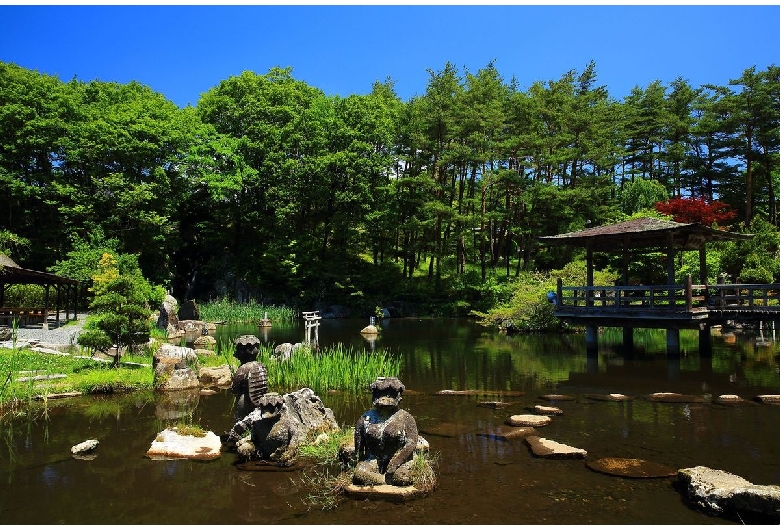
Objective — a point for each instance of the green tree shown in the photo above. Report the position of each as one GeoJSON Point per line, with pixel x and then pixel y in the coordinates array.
{"type": "Point", "coordinates": [120, 310]}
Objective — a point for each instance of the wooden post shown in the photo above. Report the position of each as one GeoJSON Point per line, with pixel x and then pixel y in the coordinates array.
{"type": "Point", "coordinates": [45, 326]}
{"type": "Point", "coordinates": [688, 294]}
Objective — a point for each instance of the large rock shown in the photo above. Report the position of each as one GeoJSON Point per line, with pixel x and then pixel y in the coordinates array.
{"type": "Point", "coordinates": [219, 376]}
{"type": "Point", "coordinates": [189, 311]}
{"type": "Point", "coordinates": [170, 445]}
{"type": "Point", "coordinates": [172, 368]}
{"type": "Point", "coordinates": [723, 493]}
{"type": "Point", "coordinates": [167, 316]}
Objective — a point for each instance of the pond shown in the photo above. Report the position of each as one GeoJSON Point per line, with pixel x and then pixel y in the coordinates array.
{"type": "Point", "coordinates": [482, 478]}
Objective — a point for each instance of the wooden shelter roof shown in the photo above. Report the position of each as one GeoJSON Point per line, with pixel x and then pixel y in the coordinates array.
{"type": "Point", "coordinates": [11, 273]}
{"type": "Point", "coordinates": [644, 233]}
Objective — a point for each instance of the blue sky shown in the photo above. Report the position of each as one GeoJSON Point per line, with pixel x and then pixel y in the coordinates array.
{"type": "Point", "coordinates": [182, 51]}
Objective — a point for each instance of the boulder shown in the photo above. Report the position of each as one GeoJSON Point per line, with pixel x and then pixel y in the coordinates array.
{"type": "Point", "coordinates": [218, 376]}
{"type": "Point", "coordinates": [189, 311]}
{"type": "Point", "coordinates": [722, 493]}
{"type": "Point", "coordinates": [84, 448]}
{"type": "Point", "coordinates": [205, 342]}
{"type": "Point", "coordinates": [369, 330]}
{"type": "Point", "coordinates": [172, 370]}
{"type": "Point", "coordinates": [167, 316]}
{"type": "Point", "coordinates": [170, 445]}
{"type": "Point", "coordinates": [551, 449]}
{"type": "Point", "coordinates": [6, 334]}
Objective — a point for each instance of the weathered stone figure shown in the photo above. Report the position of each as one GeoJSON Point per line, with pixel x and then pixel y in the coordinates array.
{"type": "Point", "coordinates": [279, 425]}
{"type": "Point", "coordinates": [259, 422]}
{"type": "Point", "coordinates": [250, 382]}
{"type": "Point", "coordinates": [385, 438]}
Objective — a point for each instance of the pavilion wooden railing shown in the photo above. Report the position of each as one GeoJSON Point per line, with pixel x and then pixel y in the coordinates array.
{"type": "Point", "coordinates": [684, 297]}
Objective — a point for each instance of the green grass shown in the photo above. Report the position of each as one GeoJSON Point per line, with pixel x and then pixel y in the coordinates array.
{"type": "Point", "coordinates": [229, 311]}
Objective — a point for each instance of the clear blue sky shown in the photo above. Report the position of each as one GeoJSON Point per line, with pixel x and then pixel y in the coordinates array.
{"type": "Point", "coordinates": [182, 51]}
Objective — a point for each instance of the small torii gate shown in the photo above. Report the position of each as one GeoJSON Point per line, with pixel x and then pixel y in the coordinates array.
{"type": "Point", "coordinates": [312, 322]}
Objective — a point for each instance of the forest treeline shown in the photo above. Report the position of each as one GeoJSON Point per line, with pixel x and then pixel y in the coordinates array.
{"type": "Point", "coordinates": [272, 190]}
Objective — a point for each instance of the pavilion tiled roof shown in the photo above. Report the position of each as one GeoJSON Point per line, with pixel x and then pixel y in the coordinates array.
{"type": "Point", "coordinates": [645, 232]}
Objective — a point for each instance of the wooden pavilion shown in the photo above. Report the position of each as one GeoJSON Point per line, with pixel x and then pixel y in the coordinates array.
{"type": "Point", "coordinates": [667, 306]}
{"type": "Point", "coordinates": [66, 289]}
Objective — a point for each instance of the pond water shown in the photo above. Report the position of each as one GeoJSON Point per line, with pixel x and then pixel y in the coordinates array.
{"type": "Point", "coordinates": [482, 479]}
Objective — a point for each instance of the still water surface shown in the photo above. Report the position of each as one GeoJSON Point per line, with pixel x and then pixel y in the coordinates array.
{"type": "Point", "coordinates": [482, 479]}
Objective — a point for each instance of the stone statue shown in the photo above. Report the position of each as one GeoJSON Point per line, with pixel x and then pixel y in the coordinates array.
{"type": "Point", "coordinates": [385, 438]}
{"type": "Point", "coordinates": [250, 382]}
{"type": "Point", "coordinates": [279, 425]}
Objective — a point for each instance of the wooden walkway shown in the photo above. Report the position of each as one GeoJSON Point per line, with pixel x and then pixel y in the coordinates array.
{"type": "Point", "coordinates": [665, 306]}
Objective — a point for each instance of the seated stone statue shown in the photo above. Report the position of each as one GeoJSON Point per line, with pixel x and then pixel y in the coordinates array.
{"type": "Point", "coordinates": [260, 423]}
{"type": "Point", "coordinates": [279, 425]}
{"type": "Point", "coordinates": [385, 438]}
{"type": "Point", "coordinates": [250, 382]}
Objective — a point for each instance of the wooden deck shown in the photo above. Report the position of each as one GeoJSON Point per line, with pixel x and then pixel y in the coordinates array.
{"type": "Point", "coordinates": [664, 306]}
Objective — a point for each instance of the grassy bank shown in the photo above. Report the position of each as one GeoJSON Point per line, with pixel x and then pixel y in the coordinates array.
{"type": "Point", "coordinates": [228, 311]}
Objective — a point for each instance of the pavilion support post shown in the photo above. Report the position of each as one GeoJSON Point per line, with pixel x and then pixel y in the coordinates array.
{"type": "Point", "coordinates": [45, 326]}
{"type": "Point", "coordinates": [589, 260]}
{"type": "Point", "coordinates": [57, 305]}
{"type": "Point", "coordinates": [673, 342]}
{"type": "Point", "coordinates": [591, 340]}
{"type": "Point", "coordinates": [705, 342]}
{"type": "Point", "coordinates": [628, 339]}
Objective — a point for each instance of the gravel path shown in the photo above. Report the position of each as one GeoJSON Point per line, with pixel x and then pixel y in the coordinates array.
{"type": "Point", "coordinates": [64, 334]}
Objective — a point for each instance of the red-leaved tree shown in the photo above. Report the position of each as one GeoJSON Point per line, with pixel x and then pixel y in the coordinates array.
{"type": "Point", "coordinates": [697, 210]}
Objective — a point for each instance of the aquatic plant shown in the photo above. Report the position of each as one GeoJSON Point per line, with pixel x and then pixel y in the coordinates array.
{"type": "Point", "coordinates": [225, 310]}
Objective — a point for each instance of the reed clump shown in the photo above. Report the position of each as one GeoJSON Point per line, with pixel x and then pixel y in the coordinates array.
{"type": "Point", "coordinates": [225, 310]}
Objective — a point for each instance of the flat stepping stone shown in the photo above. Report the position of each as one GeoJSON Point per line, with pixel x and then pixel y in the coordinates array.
{"type": "Point", "coordinates": [545, 448]}
{"type": "Point", "coordinates": [673, 397]}
{"type": "Point", "coordinates": [382, 492]}
{"type": "Point", "coordinates": [609, 397]}
{"type": "Point", "coordinates": [768, 398]}
{"type": "Point", "coordinates": [506, 435]}
{"type": "Point", "coordinates": [557, 397]}
{"type": "Point", "coordinates": [733, 400]}
{"type": "Point", "coordinates": [494, 404]}
{"type": "Point", "coordinates": [42, 377]}
{"type": "Point", "coordinates": [510, 393]}
{"type": "Point", "coordinates": [547, 411]}
{"type": "Point", "coordinates": [528, 420]}
{"type": "Point", "coordinates": [631, 467]}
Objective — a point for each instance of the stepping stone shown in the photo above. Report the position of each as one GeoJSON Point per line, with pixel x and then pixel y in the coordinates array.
{"type": "Point", "coordinates": [631, 467]}
{"type": "Point", "coordinates": [545, 448]}
{"type": "Point", "coordinates": [510, 393]}
{"type": "Point", "coordinates": [768, 398]}
{"type": "Point", "coordinates": [61, 395]}
{"type": "Point", "coordinates": [609, 397]}
{"type": "Point", "coordinates": [528, 420]}
{"type": "Point", "coordinates": [548, 411]}
{"type": "Point", "coordinates": [507, 435]}
{"type": "Point", "coordinates": [673, 397]}
{"type": "Point", "coordinates": [494, 404]}
{"type": "Point", "coordinates": [557, 397]}
{"type": "Point", "coordinates": [382, 491]}
{"type": "Point", "coordinates": [734, 400]}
